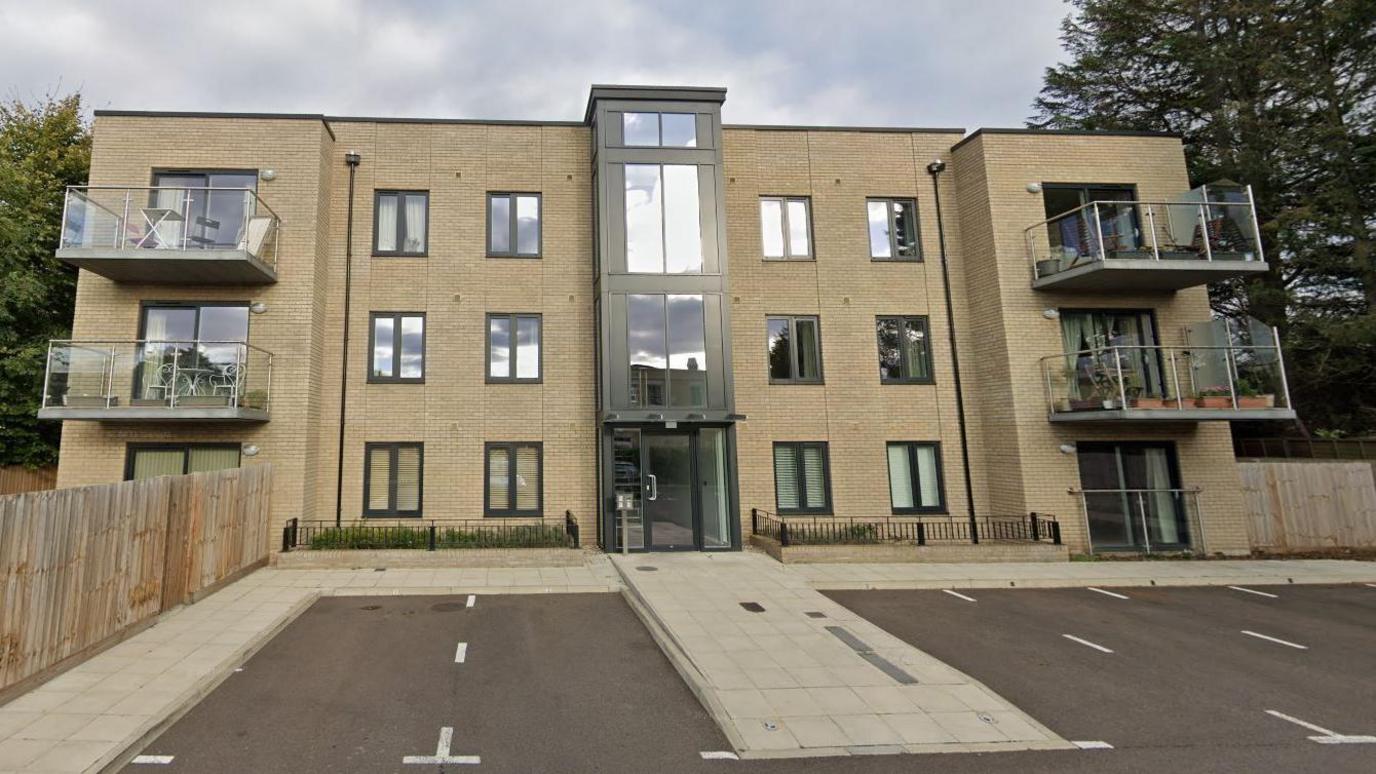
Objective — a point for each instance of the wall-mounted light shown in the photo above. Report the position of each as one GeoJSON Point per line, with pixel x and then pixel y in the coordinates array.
{"type": "Point", "coordinates": [258, 307]}
{"type": "Point", "coordinates": [250, 450]}
{"type": "Point", "coordinates": [1067, 448]}
{"type": "Point", "coordinates": [1034, 188]}
{"type": "Point", "coordinates": [1051, 314]}
{"type": "Point", "coordinates": [268, 174]}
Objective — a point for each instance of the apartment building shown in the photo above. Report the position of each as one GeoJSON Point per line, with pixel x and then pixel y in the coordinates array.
{"type": "Point", "coordinates": [650, 318]}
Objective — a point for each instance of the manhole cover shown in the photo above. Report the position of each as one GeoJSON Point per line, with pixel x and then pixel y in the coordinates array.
{"type": "Point", "coordinates": [647, 568]}
{"type": "Point", "coordinates": [448, 607]}
{"type": "Point", "coordinates": [371, 607]}
{"type": "Point", "coordinates": [815, 614]}
{"type": "Point", "coordinates": [754, 607]}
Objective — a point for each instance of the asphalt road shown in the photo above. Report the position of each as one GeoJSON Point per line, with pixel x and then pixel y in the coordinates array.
{"type": "Point", "coordinates": [574, 683]}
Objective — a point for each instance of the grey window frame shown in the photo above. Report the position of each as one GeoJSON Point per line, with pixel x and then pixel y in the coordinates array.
{"type": "Point", "coordinates": [511, 511]}
{"type": "Point", "coordinates": [401, 223]}
{"type": "Point", "coordinates": [391, 511]}
{"type": "Point", "coordinates": [915, 479]}
{"type": "Point", "coordinates": [783, 199]}
{"type": "Point", "coordinates": [659, 128]}
{"type": "Point", "coordinates": [131, 451]}
{"type": "Point", "coordinates": [903, 344]}
{"type": "Point", "coordinates": [511, 358]}
{"type": "Point", "coordinates": [795, 351]}
{"type": "Point", "coordinates": [511, 196]}
{"type": "Point", "coordinates": [893, 256]}
{"type": "Point", "coordinates": [396, 348]}
{"type": "Point", "coordinates": [797, 447]}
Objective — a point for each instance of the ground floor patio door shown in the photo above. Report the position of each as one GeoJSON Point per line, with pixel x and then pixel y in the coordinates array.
{"type": "Point", "coordinates": [1132, 496]}
{"type": "Point", "coordinates": [678, 485]}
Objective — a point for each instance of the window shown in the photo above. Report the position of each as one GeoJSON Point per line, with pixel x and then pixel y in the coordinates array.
{"type": "Point", "coordinates": [513, 347]}
{"type": "Point", "coordinates": [150, 460]}
{"type": "Point", "coordinates": [666, 130]}
{"type": "Point", "coordinates": [785, 227]}
{"type": "Point", "coordinates": [400, 222]}
{"type": "Point", "coordinates": [904, 353]}
{"type": "Point", "coordinates": [667, 347]}
{"type": "Point", "coordinates": [513, 225]}
{"type": "Point", "coordinates": [893, 230]}
{"type": "Point", "coordinates": [392, 478]}
{"type": "Point", "coordinates": [663, 224]}
{"type": "Point", "coordinates": [795, 350]}
{"type": "Point", "coordinates": [802, 477]}
{"type": "Point", "coordinates": [195, 350]}
{"type": "Point", "coordinates": [397, 342]}
{"type": "Point", "coordinates": [513, 472]}
{"type": "Point", "coordinates": [212, 209]}
{"type": "Point", "coordinates": [915, 484]}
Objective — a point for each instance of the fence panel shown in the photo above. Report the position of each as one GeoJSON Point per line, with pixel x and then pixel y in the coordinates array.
{"type": "Point", "coordinates": [15, 479]}
{"type": "Point", "coordinates": [79, 566]}
{"type": "Point", "coordinates": [1298, 506]}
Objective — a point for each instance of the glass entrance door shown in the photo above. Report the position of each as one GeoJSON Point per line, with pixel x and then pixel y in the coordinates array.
{"type": "Point", "coordinates": [1132, 496]}
{"type": "Point", "coordinates": [668, 491]}
{"type": "Point", "coordinates": [677, 484]}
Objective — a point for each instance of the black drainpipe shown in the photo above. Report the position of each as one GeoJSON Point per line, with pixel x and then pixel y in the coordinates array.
{"type": "Point", "coordinates": [351, 158]}
{"type": "Point", "coordinates": [934, 169]}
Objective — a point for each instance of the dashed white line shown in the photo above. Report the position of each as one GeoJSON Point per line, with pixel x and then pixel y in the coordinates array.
{"type": "Point", "coordinates": [1093, 745]}
{"type": "Point", "coordinates": [442, 755]}
{"type": "Point", "coordinates": [1254, 591]}
{"type": "Point", "coordinates": [471, 599]}
{"type": "Point", "coordinates": [461, 653]}
{"type": "Point", "coordinates": [156, 760]}
{"type": "Point", "coordinates": [1113, 594]}
{"type": "Point", "coordinates": [1086, 643]}
{"type": "Point", "coordinates": [719, 755]}
{"type": "Point", "coordinates": [959, 595]}
{"type": "Point", "coordinates": [1324, 736]}
{"type": "Point", "coordinates": [1276, 640]}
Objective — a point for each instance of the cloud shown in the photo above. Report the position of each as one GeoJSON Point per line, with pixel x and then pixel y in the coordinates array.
{"type": "Point", "coordinates": [858, 62]}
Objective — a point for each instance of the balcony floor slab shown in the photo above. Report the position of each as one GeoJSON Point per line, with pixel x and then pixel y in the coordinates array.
{"type": "Point", "coordinates": [154, 414]}
{"type": "Point", "coordinates": [1162, 416]}
{"type": "Point", "coordinates": [1138, 274]}
{"type": "Point", "coordinates": [171, 267]}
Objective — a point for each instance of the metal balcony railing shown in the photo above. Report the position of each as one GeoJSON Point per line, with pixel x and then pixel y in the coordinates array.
{"type": "Point", "coordinates": [114, 375]}
{"type": "Point", "coordinates": [1189, 378]}
{"type": "Point", "coordinates": [131, 219]}
{"type": "Point", "coordinates": [1148, 520]}
{"type": "Point", "coordinates": [1105, 231]}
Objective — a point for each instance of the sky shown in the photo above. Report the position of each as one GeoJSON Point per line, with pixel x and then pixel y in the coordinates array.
{"type": "Point", "coordinates": [939, 63]}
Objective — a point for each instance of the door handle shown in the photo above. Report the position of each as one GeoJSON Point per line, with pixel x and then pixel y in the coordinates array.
{"type": "Point", "coordinates": [654, 486]}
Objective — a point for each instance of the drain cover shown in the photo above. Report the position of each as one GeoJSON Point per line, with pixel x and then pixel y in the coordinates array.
{"type": "Point", "coordinates": [647, 568]}
{"type": "Point", "coordinates": [770, 725]}
{"type": "Point", "coordinates": [815, 614]}
{"type": "Point", "coordinates": [754, 607]}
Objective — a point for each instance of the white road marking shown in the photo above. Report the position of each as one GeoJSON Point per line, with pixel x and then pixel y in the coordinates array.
{"type": "Point", "coordinates": [1095, 745]}
{"type": "Point", "coordinates": [719, 755]}
{"type": "Point", "coordinates": [442, 755]}
{"type": "Point", "coordinates": [461, 653]}
{"type": "Point", "coordinates": [471, 599]}
{"type": "Point", "coordinates": [1254, 591]}
{"type": "Point", "coordinates": [1275, 640]}
{"type": "Point", "coordinates": [959, 595]}
{"type": "Point", "coordinates": [157, 760]}
{"type": "Point", "coordinates": [1073, 638]}
{"type": "Point", "coordinates": [1324, 736]}
{"type": "Point", "coordinates": [1109, 593]}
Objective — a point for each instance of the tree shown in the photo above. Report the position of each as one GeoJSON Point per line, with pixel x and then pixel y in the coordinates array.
{"type": "Point", "coordinates": [1280, 94]}
{"type": "Point", "coordinates": [44, 147]}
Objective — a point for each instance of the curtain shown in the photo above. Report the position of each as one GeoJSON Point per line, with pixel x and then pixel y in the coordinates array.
{"type": "Point", "coordinates": [1077, 334]}
{"type": "Point", "coordinates": [498, 480]}
{"type": "Point", "coordinates": [527, 478]}
{"type": "Point", "coordinates": [387, 223]}
{"type": "Point", "coordinates": [814, 477]}
{"type": "Point", "coordinates": [786, 478]}
{"type": "Point", "coordinates": [408, 479]}
{"type": "Point", "coordinates": [149, 463]}
{"type": "Point", "coordinates": [900, 476]}
{"type": "Point", "coordinates": [153, 356]}
{"type": "Point", "coordinates": [1161, 501]}
{"type": "Point", "coordinates": [169, 231]}
{"type": "Point", "coordinates": [379, 478]}
{"type": "Point", "coordinates": [212, 459]}
{"type": "Point", "coordinates": [415, 224]}
{"type": "Point", "coordinates": [927, 477]}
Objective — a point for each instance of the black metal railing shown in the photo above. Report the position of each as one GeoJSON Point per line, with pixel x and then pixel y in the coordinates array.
{"type": "Point", "coordinates": [829, 530]}
{"type": "Point", "coordinates": [430, 534]}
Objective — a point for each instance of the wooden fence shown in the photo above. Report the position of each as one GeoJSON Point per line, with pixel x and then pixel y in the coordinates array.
{"type": "Point", "coordinates": [17, 478]}
{"type": "Point", "coordinates": [82, 568]}
{"type": "Point", "coordinates": [1300, 506]}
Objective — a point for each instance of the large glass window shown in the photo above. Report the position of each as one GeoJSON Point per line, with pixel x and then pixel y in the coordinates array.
{"type": "Point", "coordinates": [513, 225]}
{"type": "Point", "coordinates": [667, 130]}
{"type": "Point", "coordinates": [663, 223]}
{"type": "Point", "coordinates": [795, 350]}
{"type": "Point", "coordinates": [905, 355]}
{"type": "Point", "coordinates": [392, 478]}
{"type": "Point", "coordinates": [513, 478]}
{"type": "Point", "coordinates": [716, 519]}
{"type": "Point", "coordinates": [893, 230]}
{"type": "Point", "coordinates": [667, 349]}
{"type": "Point", "coordinates": [1111, 353]}
{"type": "Point", "coordinates": [915, 477]}
{"type": "Point", "coordinates": [1132, 496]}
{"type": "Point", "coordinates": [151, 460]}
{"type": "Point", "coordinates": [513, 347]}
{"type": "Point", "coordinates": [802, 477]}
{"type": "Point", "coordinates": [398, 347]}
{"type": "Point", "coordinates": [785, 228]}
{"type": "Point", "coordinates": [400, 222]}
{"type": "Point", "coordinates": [191, 350]}
{"type": "Point", "coordinates": [211, 209]}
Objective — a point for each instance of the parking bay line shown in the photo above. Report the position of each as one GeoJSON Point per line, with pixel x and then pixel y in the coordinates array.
{"type": "Point", "coordinates": [1278, 641]}
{"type": "Point", "coordinates": [1093, 745]}
{"type": "Point", "coordinates": [1086, 643]}
{"type": "Point", "coordinates": [156, 760]}
{"type": "Point", "coordinates": [442, 755]}
{"type": "Point", "coordinates": [719, 755]}
{"type": "Point", "coordinates": [959, 595]}
{"type": "Point", "coordinates": [472, 598]}
{"type": "Point", "coordinates": [461, 653]}
{"type": "Point", "coordinates": [1114, 594]}
{"type": "Point", "coordinates": [1254, 591]}
{"type": "Point", "coordinates": [1325, 736]}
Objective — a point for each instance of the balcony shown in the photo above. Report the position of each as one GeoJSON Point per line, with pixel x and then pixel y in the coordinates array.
{"type": "Point", "coordinates": [1230, 381]}
{"type": "Point", "coordinates": [157, 381]}
{"type": "Point", "coordinates": [1209, 234]}
{"type": "Point", "coordinates": [1147, 520]}
{"type": "Point", "coordinates": [170, 236]}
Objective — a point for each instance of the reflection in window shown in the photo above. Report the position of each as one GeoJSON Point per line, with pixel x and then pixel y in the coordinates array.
{"type": "Point", "coordinates": [784, 228]}
{"type": "Point", "coordinates": [687, 352]}
{"type": "Point", "coordinates": [398, 348]}
{"type": "Point", "coordinates": [663, 224]}
{"type": "Point", "coordinates": [648, 352]}
{"type": "Point", "coordinates": [795, 349]}
{"type": "Point", "coordinates": [668, 130]}
{"type": "Point", "coordinates": [513, 358]}
{"type": "Point", "coordinates": [519, 227]}
{"type": "Point", "coordinates": [904, 352]}
{"type": "Point", "coordinates": [893, 229]}
{"type": "Point", "coordinates": [667, 348]}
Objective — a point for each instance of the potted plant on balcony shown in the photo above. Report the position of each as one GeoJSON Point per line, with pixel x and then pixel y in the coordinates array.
{"type": "Point", "coordinates": [1215, 397]}
{"type": "Point", "coordinates": [1251, 396]}
{"type": "Point", "coordinates": [1132, 386]}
